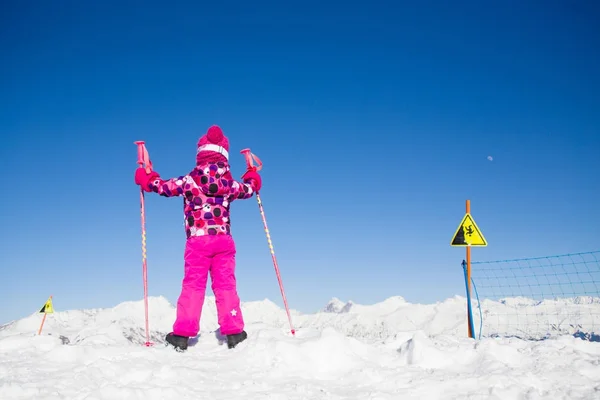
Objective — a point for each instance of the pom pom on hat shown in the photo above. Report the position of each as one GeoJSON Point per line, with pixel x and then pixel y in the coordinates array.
{"type": "Point", "coordinates": [214, 135]}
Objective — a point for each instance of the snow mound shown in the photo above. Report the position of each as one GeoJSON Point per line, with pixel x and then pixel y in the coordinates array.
{"type": "Point", "coordinates": [388, 350]}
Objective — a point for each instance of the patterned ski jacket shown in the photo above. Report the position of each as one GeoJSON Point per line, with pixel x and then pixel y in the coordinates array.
{"type": "Point", "coordinates": [207, 191]}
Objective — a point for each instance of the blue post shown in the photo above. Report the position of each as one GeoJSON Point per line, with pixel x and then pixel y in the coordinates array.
{"type": "Point", "coordinates": [469, 309]}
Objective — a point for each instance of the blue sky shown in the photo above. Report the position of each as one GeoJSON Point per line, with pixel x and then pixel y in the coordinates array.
{"type": "Point", "coordinates": [374, 123]}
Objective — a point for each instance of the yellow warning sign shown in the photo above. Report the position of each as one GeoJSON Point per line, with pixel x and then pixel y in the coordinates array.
{"type": "Point", "coordinates": [468, 234]}
{"type": "Point", "coordinates": [47, 308]}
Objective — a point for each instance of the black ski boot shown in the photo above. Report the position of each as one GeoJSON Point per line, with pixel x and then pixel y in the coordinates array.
{"type": "Point", "coordinates": [179, 342]}
{"type": "Point", "coordinates": [234, 340]}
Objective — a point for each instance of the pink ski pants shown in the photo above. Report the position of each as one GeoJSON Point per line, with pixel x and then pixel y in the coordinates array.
{"type": "Point", "coordinates": [214, 254]}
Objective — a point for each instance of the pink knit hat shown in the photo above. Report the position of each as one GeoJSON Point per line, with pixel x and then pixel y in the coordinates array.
{"type": "Point", "coordinates": [212, 147]}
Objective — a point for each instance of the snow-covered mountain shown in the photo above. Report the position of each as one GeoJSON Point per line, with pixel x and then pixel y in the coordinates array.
{"type": "Point", "coordinates": [393, 349]}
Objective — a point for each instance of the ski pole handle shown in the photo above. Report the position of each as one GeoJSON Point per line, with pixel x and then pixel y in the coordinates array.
{"type": "Point", "coordinates": [140, 150]}
{"type": "Point", "coordinates": [143, 157]}
{"type": "Point", "coordinates": [250, 159]}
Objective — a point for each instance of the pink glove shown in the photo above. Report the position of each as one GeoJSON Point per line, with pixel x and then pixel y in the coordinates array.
{"type": "Point", "coordinates": [143, 178]}
{"type": "Point", "coordinates": [253, 178]}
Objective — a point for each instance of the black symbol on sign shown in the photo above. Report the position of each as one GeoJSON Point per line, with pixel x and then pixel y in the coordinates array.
{"type": "Point", "coordinates": [470, 230]}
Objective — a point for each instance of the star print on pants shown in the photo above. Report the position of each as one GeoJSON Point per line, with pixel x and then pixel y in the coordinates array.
{"type": "Point", "coordinates": [233, 312]}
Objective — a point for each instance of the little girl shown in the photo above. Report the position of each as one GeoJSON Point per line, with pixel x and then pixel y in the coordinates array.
{"type": "Point", "coordinates": [207, 191]}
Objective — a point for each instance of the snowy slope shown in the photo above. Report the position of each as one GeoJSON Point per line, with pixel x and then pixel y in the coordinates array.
{"type": "Point", "coordinates": [389, 350]}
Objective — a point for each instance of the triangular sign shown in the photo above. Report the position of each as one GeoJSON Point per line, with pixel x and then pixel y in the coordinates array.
{"type": "Point", "coordinates": [47, 308]}
{"type": "Point", "coordinates": [468, 234]}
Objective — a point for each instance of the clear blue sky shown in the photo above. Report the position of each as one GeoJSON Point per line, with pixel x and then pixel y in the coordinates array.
{"type": "Point", "coordinates": [374, 123]}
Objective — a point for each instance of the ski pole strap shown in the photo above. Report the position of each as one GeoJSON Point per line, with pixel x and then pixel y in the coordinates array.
{"type": "Point", "coordinates": [143, 156]}
{"type": "Point", "coordinates": [250, 159]}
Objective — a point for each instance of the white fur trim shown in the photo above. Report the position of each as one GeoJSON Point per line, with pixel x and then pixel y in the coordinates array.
{"type": "Point", "coordinates": [215, 148]}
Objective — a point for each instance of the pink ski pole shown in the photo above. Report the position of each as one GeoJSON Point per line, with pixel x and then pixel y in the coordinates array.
{"type": "Point", "coordinates": [144, 162]}
{"type": "Point", "coordinates": [250, 158]}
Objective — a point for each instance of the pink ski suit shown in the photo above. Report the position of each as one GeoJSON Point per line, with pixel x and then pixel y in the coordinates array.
{"type": "Point", "coordinates": [207, 192]}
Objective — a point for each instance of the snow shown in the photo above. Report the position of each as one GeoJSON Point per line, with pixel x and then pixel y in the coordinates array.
{"type": "Point", "coordinates": [390, 350]}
